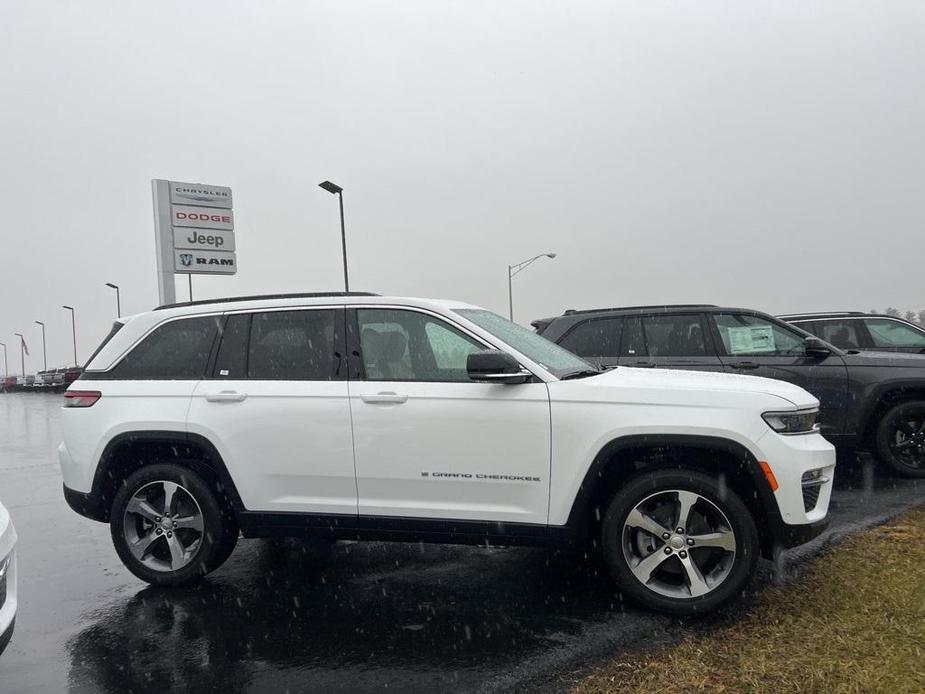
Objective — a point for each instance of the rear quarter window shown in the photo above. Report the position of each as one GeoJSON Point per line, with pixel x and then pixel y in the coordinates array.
{"type": "Point", "coordinates": [178, 350]}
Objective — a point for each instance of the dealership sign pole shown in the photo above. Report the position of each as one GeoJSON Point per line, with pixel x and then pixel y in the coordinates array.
{"type": "Point", "coordinates": [194, 233]}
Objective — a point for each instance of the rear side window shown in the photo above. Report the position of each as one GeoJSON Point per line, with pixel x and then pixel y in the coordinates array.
{"type": "Point", "coordinates": [175, 351]}
{"type": "Point", "coordinates": [675, 336]}
{"type": "Point", "coordinates": [292, 346]}
{"type": "Point", "coordinates": [594, 338]}
{"type": "Point", "coordinates": [841, 333]}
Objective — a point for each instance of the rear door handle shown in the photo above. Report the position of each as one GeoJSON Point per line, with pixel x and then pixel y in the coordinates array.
{"type": "Point", "coordinates": [387, 397]}
{"type": "Point", "coordinates": [226, 396]}
{"type": "Point", "coordinates": [745, 365]}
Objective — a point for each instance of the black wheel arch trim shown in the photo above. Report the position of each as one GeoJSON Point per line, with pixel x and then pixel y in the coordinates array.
{"type": "Point", "coordinates": [773, 522]}
{"type": "Point", "coordinates": [212, 459]}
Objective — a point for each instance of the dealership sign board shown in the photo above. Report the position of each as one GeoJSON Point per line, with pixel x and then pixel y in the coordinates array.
{"type": "Point", "coordinates": [194, 232]}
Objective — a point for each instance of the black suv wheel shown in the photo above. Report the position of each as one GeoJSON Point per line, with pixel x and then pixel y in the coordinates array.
{"type": "Point", "coordinates": [168, 526]}
{"type": "Point", "coordinates": [677, 543]}
{"type": "Point", "coordinates": [901, 439]}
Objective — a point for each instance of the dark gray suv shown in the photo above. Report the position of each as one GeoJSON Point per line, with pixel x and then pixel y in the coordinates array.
{"type": "Point", "coordinates": [869, 401]}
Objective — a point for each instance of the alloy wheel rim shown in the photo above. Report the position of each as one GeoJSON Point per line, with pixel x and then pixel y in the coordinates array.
{"type": "Point", "coordinates": [163, 526]}
{"type": "Point", "coordinates": [679, 544]}
{"type": "Point", "coordinates": [907, 442]}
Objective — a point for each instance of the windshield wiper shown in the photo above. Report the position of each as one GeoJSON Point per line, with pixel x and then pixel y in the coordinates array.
{"type": "Point", "coordinates": [583, 373]}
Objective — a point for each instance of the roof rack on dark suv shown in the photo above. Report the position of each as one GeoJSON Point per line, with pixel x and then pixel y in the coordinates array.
{"type": "Point", "coordinates": [259, 297]}
{"type": "Point", "coordinates": [572, 311]}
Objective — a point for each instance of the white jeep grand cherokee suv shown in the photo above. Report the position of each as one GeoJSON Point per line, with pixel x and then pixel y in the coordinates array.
{"type": "Point", "coordinates": [366, 417]}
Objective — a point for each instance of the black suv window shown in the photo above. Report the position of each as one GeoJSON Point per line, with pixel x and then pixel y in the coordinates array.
{"type": "Point", "coordinates": [292, 346]}
{"type": "Point", "coordinates": [400, 345]}
{"type": "Point", "coordinates": [892, 333]}
{"type": "Point", "coordinates": [755, 336]}
{"type": "Point", "coordinates": [841, 333]}
{"type": "Point", "coordinates": [175, 351]}
{"type": "Point", "coordinates": [679, 335]}
{"type": "Point", "coordinates": [633, 343]}
{"type": "Point", "coordinates": [594, 338]}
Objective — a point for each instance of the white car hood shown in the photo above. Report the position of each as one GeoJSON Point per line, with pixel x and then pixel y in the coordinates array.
{"type": "Point", "coordinates": [676, 379]}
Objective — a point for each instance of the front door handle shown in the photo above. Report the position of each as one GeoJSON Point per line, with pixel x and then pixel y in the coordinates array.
{"type": "Point", "coordinates": [745, 365]}
{"type": "Point", "coordinates": [643, 365]}
{"type": "Point", "coordinates": [226, 396]}
{"type": "Point", "coordinates": [386, 397]}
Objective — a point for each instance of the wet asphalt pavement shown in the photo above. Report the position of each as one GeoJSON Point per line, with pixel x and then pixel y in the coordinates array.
{"type": "Point", "coordinates": [358, 617]}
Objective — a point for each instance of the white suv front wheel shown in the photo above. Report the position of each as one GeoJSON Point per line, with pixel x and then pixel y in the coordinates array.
{"type": "Point", "coordinates": [168, 527]}
{"type": "Point", "coordinates": [675, 541]}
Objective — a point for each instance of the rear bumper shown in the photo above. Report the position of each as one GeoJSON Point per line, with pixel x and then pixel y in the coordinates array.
{"type": "Point", "coordinates": [86, 504]}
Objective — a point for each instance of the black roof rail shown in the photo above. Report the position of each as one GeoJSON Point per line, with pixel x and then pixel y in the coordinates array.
{"type": "Point", "coordinates": [822, 314]}
{"type": "Point", "coordinates": [571, 311]}
{"type": "Point", "coordinates": [261, 297]}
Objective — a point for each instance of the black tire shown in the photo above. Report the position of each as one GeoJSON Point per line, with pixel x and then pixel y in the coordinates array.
{"type": "Point", "coordinates": [730, 571]}
{"type": "Point", "coordinates": [208, 548]}
{"type": "Point", "coordinates": [900, 439]}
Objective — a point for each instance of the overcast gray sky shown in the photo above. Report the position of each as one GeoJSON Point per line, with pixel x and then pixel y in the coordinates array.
{"type": "Point", "coordinates": [761, 154]}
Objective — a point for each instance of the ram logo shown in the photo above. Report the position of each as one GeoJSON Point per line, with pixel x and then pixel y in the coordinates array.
{"type": "Point", "coordinates": [186, 259]}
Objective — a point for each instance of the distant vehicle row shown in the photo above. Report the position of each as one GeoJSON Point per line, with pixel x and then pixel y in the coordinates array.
{"type": "Point", "coordinates": [52, 379]}
{"type": "Point", "coordinates": [870, 400]}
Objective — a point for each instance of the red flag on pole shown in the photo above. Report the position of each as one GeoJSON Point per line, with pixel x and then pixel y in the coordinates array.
{"type": "Point", "coordinates": [25, 347]}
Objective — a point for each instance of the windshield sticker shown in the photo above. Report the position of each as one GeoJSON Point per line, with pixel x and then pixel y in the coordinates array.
{"type": "Point", "coordinates": [751, 339]}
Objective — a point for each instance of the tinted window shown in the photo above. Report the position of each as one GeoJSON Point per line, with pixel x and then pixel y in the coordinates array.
{"type": "Point", "coordinates": [292, 346]}
{"type": "Point", "coordinates": [178, 350]}
{"type": "Point", "coordinates": [633, 343]}
{"type": "Point", "coordinates": [891, 333]}
{"type": "Point", "coordinates": [594, 338]}
{"type": "Point", "coordinates": [755, 336]}
{"type": "Point", "coordinates": [410, 346]}
{"type": "Point", "coordinates": [674, 336]}
{"type": "Point", "coordinates": [232, 352]}
{"type": "Point", "coordinates": [841, 333]}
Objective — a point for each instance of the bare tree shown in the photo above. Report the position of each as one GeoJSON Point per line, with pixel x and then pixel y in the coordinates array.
{"type": "Point", "coordinates": [893, 312]}
{"type": "Point", "coordinates": [911, 316]}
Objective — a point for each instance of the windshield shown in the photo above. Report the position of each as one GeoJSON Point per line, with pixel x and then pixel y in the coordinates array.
{"type": "Point", "coordinates": [550, 356]}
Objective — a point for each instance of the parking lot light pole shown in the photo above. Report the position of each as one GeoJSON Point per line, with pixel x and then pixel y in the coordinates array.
{"type": "Point", "coordinates": [6, 366]}
{"type": "Point", "coordinates": [22, 352]}
{"type": "Point", "coordinates": [335, 189]}
{"type": "Point", "coordinates": [513, 270]}
{"type": "Point", "coordinates": [73, 331]}
{"type": "Point", "coordinates": [44, 352]}
{"type": "Point", "coordinates": [119, 301]}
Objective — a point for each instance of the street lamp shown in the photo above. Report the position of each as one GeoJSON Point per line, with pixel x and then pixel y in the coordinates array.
{"type": "Point", "coordinates": [6, 367]}
{"type": "Point", "coordinates": [73, 330]}
{"type": "Point", "coordinates": [335, 189]}
{"type": "Point", "coordinates": [118, 300]}
{"type": "Point", "coordinates": [22, 352]}
{"type": "Point", "coordinates": [44, 352]}
{"type": "Point", "coordinates": [513, 270]}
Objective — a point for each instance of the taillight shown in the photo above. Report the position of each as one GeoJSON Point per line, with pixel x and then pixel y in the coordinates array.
{"type": "Point", "coordinates": [81, 398]}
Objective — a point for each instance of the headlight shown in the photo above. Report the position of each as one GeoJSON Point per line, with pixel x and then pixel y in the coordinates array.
{"type": "Point", "coordinates": [801, 422]}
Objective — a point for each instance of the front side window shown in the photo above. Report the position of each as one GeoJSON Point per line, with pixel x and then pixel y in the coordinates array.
{"type": "Point", "coordinates": [890, 333]}
{"type": "Point", "coordinates": [745, 335]}
{"type": "Point", "coordinates": [292, 346]}
{"type": "Point", "coordinates": [841, 333]}
{"type": "Point", "coordinates": [550, 356]}
{"type": "Point", "coordinates": [399, 345]}
{"type": "Point", "coordinates": [674, 336]}
{"type": "Point", "coordinates": [594, 339]}
{"type": "Point", "coordinates": [175, 351]}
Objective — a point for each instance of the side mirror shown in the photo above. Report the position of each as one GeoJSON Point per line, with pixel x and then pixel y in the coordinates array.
{"type": "Point", "coordinates": [495, 366]}
{"type": "Point", "coordinates": [815, 347]}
